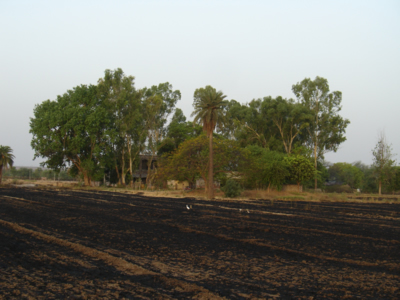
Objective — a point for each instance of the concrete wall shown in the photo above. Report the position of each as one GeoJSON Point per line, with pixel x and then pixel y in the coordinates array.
{"type": "Point", "coordinates": [177, 185]}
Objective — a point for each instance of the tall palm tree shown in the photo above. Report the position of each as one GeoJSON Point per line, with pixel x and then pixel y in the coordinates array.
{"type": "Point", "coordinates": [208, 105]}
{"type": "Point", "coordinates": [6, 159]}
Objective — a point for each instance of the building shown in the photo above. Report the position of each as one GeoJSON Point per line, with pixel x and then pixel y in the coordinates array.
{"type": "Point", "coordinates": [142, 172]}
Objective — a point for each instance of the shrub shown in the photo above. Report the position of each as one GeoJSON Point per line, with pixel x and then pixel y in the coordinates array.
{"type": "Point", "coordinates": [231, 189]}
{"type": "Point", "coordinates": [338, 189]}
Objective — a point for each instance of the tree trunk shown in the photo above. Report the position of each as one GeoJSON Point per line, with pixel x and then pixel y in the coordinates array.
{"type": "Point", "coordinates": [380, 187]}
{"type": "Point", "coordinates": [210, 170]}
{"type": "Point", "coordinates": [130, 159]}
{"type": "Point", "coordinates": [86, 179]}
{"type": "Point", "coordinates": [1, 173]}
{"type": "Point", "coordinates": [123, 174]}
{"type": "Point", "coordinates": [130, 168]}
{"type": "Point", "coordinates": [117, 171]}
{"type": "Point", "coordinates": [315, 165]}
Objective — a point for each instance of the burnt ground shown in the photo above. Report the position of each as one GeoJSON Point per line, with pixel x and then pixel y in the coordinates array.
{"type": "Point", "coordinates": [63, 244]}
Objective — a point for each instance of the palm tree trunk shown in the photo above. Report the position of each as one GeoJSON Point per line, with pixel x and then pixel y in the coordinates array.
{"type": "Point", "coordinates": [210, 170]}
{"type": "Point", "coordinates": [1, 172]}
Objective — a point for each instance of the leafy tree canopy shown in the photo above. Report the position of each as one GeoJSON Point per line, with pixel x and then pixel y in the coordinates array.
{"type": "Point", "coordinates": [347, 174]}
{"type": "Point", "coordinates": [191, 159]}
{"type": "Point", "coordinates": [178, 131]}
{"type": "Point", "coordinates": [326, 131]}
{"type": "Point", "coordinates": [265, 168]}
{"type": "Point", "coordinates": [300, 168]}
{"type": "Point", "coordinates": [70, 131]}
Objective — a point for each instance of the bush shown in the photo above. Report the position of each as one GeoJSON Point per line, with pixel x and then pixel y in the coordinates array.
{"type": "Point", "coordinates": [231, 189]}
{"type": "Point", "coordinates": [338, 189]}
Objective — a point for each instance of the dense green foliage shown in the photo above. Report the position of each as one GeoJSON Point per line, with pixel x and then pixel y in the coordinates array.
{"type": "Point", "coordinates": [300, 168]}
{"type": "Point", "coordinates": [347, 174]}
{"type": "Point", "coordinates": [326, 132]}
{"type": "Point", "coordinates": [71, 131]}
{"type": "Point", "coordinates": [265, 168]}
{"type": "Point", "coordinates": [178, 131]}
{"type": "Point", "coordinates": [103, 128]}
{"type": "Point", "coordinates": [190, 160]}
{"type": "Point", "coordinates": [358, 176]}
{"type": "Point", "coordinates": [394, 181]}
{"type": "Point", "coordinates": [232, 188]}
{"type": "Point", "coordinates": [100, 130]}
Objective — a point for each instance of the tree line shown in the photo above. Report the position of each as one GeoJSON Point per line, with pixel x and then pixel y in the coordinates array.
{"type": "Point", "coordinates": [37, 174]}
{"type": "Point", "coordinates": [382, 176]}
{"type": "Point", "coordinates": [93, 130]}
{"type": "Point", "coordinates": [101, 129]}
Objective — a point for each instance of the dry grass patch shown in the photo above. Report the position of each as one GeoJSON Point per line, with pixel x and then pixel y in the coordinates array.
{"type": "Point", "coordinates": [270, 195]}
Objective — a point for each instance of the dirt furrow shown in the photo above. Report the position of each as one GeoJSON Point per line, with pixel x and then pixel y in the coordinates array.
{"type": "Point", "coordinates": [116, 262]}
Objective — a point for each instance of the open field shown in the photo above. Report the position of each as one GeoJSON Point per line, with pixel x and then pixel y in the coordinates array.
{"type": "Point", "coordinates": [82, 245]}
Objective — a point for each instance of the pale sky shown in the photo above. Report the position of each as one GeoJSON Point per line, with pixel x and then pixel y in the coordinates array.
{"type": "Point", "coordinates": [247, 49]}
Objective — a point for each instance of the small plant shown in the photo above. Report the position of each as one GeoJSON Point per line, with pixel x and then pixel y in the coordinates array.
{"type": "Point", "coordinates": [232, 189]}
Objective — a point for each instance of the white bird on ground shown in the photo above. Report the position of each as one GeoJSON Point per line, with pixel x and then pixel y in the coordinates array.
{"type": "Point", "coordinates": [248, 211]}
{"type": "Point", "coordinates": [188, 207]}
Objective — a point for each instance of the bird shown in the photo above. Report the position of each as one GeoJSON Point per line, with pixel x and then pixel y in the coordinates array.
{"type": "Point", "coordinates": [248, 211]}
{"type": "Point", "coordinates": [188, 207]}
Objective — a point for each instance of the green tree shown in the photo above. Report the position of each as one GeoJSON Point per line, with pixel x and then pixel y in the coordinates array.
{"type": "Point", "coordinates": [394, 183]}
{"type": "Point", "coordinates": [208, 111]}
{"type": "Point", "coordinates": [70, 131]}
{"type": "Point", "coordinates": [178, 131]}
{"type": "Point", "coordinates": [232, 188]}
{"type": "Point", "coordinates": [191, 160]}
{"type": "Point", "coordinates": [159, 102]}
{"type": "Point", "coordinates": [348, 174]}
{"type": "Point", "coordinates": [326, 132]}
{"type": "Point", "coordinates": [265, 168]}
{"type": "Point", "coordinates": [383, 162]}
{"type": "Point", "coordinates": [6, 159]}
{"type": "Point", "coordinates": [300, 168]}
{"type": "Point", "coordinates": [126, 136]}
{"type": "Point", "coordinates": [273, 123]}
{"type": "Point", "coordinates": [235, 115]}
{"type": "Point", "coordinates": [254, 127]}
{"type": "Point", "coordinates": [289, 117]}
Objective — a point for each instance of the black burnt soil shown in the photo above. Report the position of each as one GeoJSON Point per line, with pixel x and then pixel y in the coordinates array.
{"type": "Point", "coordinates": [65, 244]}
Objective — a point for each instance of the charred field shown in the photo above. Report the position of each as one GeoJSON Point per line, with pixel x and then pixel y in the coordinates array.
{"type": "Point", "coordinates": [71, 244]}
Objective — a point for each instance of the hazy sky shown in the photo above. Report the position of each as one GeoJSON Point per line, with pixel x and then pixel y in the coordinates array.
{"type": "Point", "coordinates": [247, 49]}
